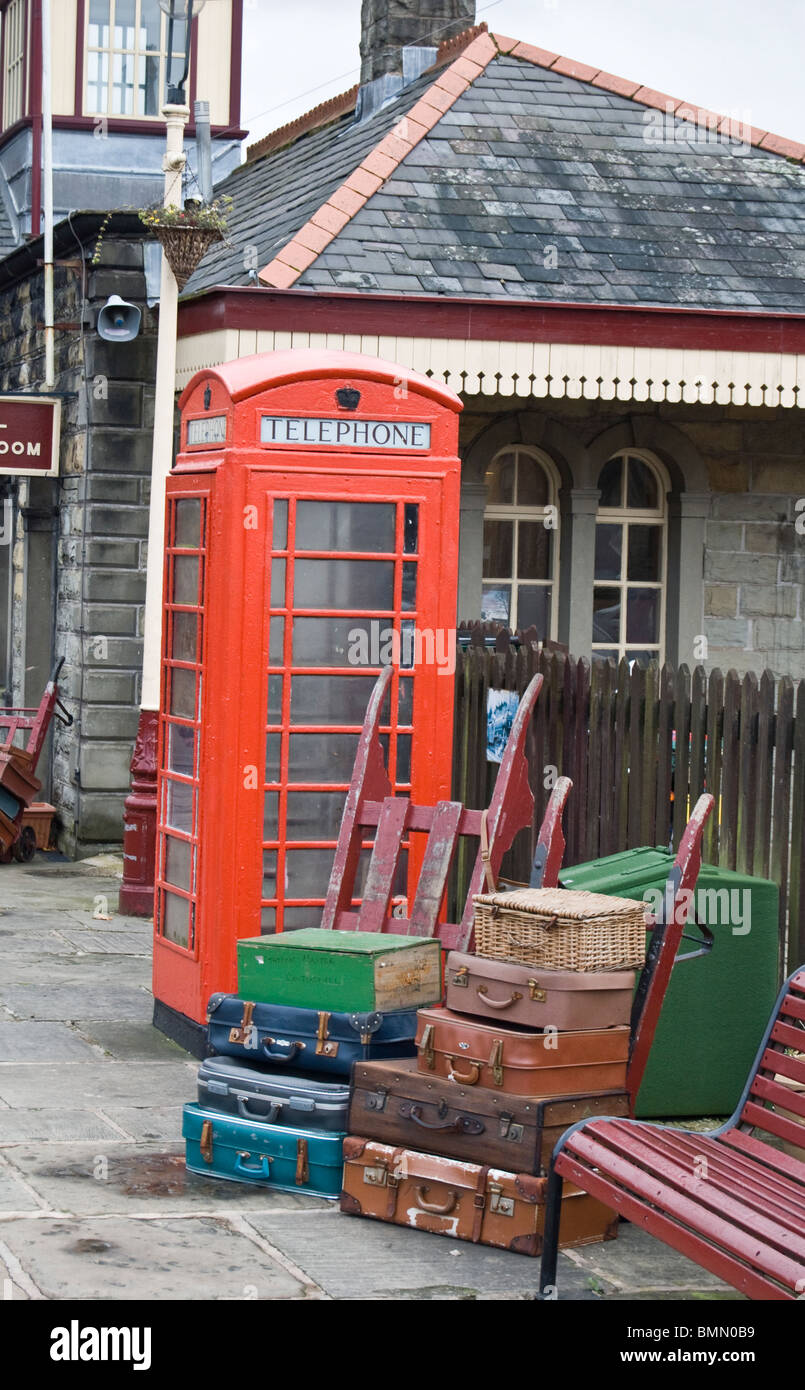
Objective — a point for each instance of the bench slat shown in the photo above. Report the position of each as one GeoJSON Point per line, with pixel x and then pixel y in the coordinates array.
{"type": "Point", "coordinates": [789, 1037]}
{"type": "Point", "coordinates": [791, 1067]}
{"type": "Point", "coordinates": [420, 817]}
{"type": "Point", "coordinates": [629, 1142]}
{"type": "Point", "coordinates": [683, 1207]}
{"type": "Point", "coordinates": [665, 1228]}
{"type": "Point", "coordinates": [773, 1158]}
{"type": "Point", "coordinates": [383, 864]}
{"type": "Point", "coordinates": [793, 1007]}
{"type": "Point", "coordinates": [761, 1118]}
{"type": "Point", "coordinates": [781, 1095]}
{"type": "Point", "coordinates": [737, 1176]}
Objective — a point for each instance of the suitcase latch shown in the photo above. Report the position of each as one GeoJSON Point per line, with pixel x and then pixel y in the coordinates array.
{"type": "Point", "coordinates": [426, 1047]}
{"type": "Point", "coordinates": [462, 977]}
{"type": "Point", "coordinates": [509, 1130]}
{"type": "Point", "coordinates": [496, 1062]}
{"type": "Point", "coordinates": [376, 1100]}
{"type": "Point", "coordinates": [376, 1177]}
{"type": "Point", "coordinates": [498, 1204]}
{"type": "Point", "coordinates": [206, 1141]}
{"type": "Point", "coordinates": [323, 1047]}
{"type": "Point", "coordinates": [243, 1034]}
{"type": "Point", "coordinates": [302, 1169]}
{"type": "Point", "coordinates": [535, 993]}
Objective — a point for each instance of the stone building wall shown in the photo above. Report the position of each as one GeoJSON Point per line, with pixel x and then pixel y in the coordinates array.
{"type": "Point", "coordinates": [85, 600]}
{"type": "Point", "coordinates": [747, 464]}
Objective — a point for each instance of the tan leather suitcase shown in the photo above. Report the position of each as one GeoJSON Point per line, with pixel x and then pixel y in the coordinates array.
{"type": "Point", "coordinates": [397, 1104]}
{"type": "Point", "coordinates": [472, 1052]}
{"type": "Point", "coordinates": [466, 1201]}
{"type": "Point", "coordinates": [532, 998]}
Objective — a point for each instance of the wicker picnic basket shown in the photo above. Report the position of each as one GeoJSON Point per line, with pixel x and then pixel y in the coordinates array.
{"type": "Point", "coordinates": [561, 929]}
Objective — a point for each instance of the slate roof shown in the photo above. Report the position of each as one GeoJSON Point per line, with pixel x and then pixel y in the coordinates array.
{"type": "Point", "coordinates": [524, 175]}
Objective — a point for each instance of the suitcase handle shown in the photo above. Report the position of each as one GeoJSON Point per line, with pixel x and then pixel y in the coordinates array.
{"type": "Point", "coordinates": [438, 1208]}
{"type": "Point", "coordinates": [462, 1124]}
{"type": "Point", "coordinates": [269, 1114]}
{"type": "Point", "coordinates": [498, 1003]}
{"type": "Point", "coordinates": [466, 1078]}
{"type": "Point", "coordinates": [284, 1053]}
{"type": "Point", "coordinates": [251, 1170]}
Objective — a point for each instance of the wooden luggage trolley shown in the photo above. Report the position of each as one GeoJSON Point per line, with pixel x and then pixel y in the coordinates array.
{"type": "Point", "coordinates": [18, 785]}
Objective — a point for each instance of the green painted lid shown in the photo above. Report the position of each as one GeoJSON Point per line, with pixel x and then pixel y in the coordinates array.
{"type": "Point", "coordinates": [352, 942]}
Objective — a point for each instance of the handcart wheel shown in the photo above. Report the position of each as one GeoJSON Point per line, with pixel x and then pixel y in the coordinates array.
{"type": "Point", "coordinates": [25, 848]}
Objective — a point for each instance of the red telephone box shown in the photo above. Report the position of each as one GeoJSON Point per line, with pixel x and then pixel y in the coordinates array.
{"type": "Point", "coordinates": [311, 539]}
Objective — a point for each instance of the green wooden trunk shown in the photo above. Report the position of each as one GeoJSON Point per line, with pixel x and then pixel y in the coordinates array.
{"type": "Point", "coordinates": [342, 971]}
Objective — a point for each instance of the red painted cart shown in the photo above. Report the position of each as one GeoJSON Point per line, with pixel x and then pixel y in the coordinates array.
{"type": "Point", "coordinates": [18, 760]}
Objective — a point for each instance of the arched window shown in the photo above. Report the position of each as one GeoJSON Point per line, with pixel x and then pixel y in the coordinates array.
{"type": "Point", "coordinates": [521, 541]}
{"type": "Point", "coordinates": [630, 559]}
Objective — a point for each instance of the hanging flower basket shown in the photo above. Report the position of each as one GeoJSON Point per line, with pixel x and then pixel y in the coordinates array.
{"type": "Point", "coordinates": [185, 248]}
{"type": "Point", "coordinates": [186, 234]}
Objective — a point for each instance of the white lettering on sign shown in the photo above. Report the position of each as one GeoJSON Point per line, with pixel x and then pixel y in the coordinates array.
{"type": "Point", "coordinates": [210, 430]}
{"type": "Point", "coordinates": [345, 433]}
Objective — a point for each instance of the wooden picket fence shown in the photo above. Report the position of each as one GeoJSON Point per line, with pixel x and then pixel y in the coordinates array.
{"type": "Point", "coordinates": [640, 746]}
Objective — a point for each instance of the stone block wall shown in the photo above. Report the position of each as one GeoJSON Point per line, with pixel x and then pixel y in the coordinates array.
{"type": "Point", "coordinates": [93, 614]}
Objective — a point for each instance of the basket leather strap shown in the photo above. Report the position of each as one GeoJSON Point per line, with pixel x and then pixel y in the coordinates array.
{"type": "Point", "coordinates": [479, 1204]}
{"type": "Point", "coordinates": [486, 853]}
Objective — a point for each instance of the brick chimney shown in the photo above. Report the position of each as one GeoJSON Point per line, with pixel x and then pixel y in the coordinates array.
{"type": "Point", "coordinates": [389, 26]}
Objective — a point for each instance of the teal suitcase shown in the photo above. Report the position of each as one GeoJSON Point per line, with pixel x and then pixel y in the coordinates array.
{"type": "Point", "coordinates": [291, 1160]}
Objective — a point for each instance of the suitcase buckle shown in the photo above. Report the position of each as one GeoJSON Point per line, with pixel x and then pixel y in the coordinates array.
{"type": "Point", "coordinates": [426, 1047]}
{"type": "Point", "coordinates": [323, 1047]}
{"type": "Point", "coordinates": [462, 977]}
{"type": "Point", "coordinates": [509, 1130]}
{"type": "Point", "coordinates": [498, 1204]}
{"type": "Point", "coordinates": [243, 1033]}
{"type": "Point", "coordinates": [378, 1177]}
{"type": "Point", "coordinates": [496, 1062]}
{"type": "Point", "coordinates": [534, 992]}
{"type": "Point", "coordinates": [479, 1201]}
{"type": "Point", "coordinates": [376, 1100]}
{"type": "Point", "coordinates": [206, 1141]}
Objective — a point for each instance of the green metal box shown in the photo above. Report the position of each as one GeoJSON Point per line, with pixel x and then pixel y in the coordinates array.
{"type": "Point", "coordinates": [340, 971]}
{"type": "Point", "coordinates": [717, 1006]}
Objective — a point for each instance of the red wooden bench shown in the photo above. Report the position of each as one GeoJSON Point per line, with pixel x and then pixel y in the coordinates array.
{"type": "Point", "coordinates": [731, 1199]}
{"type": "Point", "coordinates": [372, 813]}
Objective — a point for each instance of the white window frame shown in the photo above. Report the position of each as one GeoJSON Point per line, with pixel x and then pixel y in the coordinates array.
{"type": "Point", "coordinates": [624, 516]}
{"type": "Point", "coordinates": [510, 511]}
{"type": "Point", "coordinates": [15, 43]}
{"type": "Point", "coordinates": [136, 54]}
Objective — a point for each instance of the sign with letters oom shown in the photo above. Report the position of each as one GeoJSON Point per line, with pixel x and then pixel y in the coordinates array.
{"type": "Point", "coordinates": [29, 435]}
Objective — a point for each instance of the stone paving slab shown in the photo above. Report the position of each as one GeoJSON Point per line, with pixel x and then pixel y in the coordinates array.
{"type": "Point", "coordinates": [34, 945]}
{"type": "Point", "coordinates": [14, 1195]}
{"type": "Point", "coordinates": [61, 1126]}
{"type": "Point", "coordinates": [144, 1177]}
{"type": "Point", "coordinates": [350, 1257]}
{"type": "Point", "coordinates": [93, 1084]}
{"type": "Point", "coordinates": [153, 1122]}
{"type": "Point", "coordinates": [125, 1041]}
{"type": "Point", "coordinates": [42, 1042]}
{"type": "Point", "coordinates": [641, 1262]}
{"type": "Point", "coordinates": [123, 943]}
{"type": "Point", "coordinates": [123, 1258]}
{"type": "Point", "coordinates": [51, 1002]}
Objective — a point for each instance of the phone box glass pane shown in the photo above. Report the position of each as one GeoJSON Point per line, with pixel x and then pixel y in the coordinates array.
{"type": "Point", "coordinates": [176, 919]}
{"type": "Point", "coordinates": [359, 526]}
{"type": "Point", "coordinates": [179, 806]}
{"type": "Point", "coordinates": [185, 632]}
{"type": "Point", "coordinates": [185, 579]}
{"type": "Point", "coordinates": [307, 872]}
{"type": "Point", "coordinates": [181, 749]}
{"type": "Point", "coordinates": [178, 863]}
{"type": "Point", "coordinates": [187, 533]}
{"type": "Point", "coordinates": [183, 692]}
{"type": "Point", "coordinates": [344, 584]}
{"type": "Point", "coordinates": [333, 699]}
{"type": "Point", "coordinates": [322, 757]}
{"type": "Point", "coordinates": [314, 815]}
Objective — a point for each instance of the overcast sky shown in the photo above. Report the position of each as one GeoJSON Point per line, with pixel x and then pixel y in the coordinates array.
{"type": "Point", "coordinates": [732, 56]}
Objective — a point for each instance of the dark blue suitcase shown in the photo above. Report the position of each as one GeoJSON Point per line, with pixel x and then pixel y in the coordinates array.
{"type": "Point", "coordinates": [235, 1087]}
{"type": "Point", "coordinates": [292, 1160]}
{"type": "Point", "coordinates": [306, 1039]}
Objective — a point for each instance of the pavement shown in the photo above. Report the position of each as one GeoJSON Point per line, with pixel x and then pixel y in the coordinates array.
{"type": "Point", "coordinates": [95, 1200]}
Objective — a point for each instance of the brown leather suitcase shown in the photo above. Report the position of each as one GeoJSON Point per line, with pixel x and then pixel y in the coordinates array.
{"type": "Point", "coordinates": [397, 1104]}
{"type": "Point", "coordinates": [466, 1201]}
{"type": "Point", "coordinates": [532, 998]}
{"type": "Point", "coordinates": [473, 1052]}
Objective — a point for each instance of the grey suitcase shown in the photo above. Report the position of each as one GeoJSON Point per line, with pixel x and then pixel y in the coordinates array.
{"type": "Point", "coordinates": [293, 1099]}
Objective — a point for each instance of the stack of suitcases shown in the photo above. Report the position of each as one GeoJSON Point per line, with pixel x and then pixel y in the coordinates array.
{"type": "Point", "coordinates": [457, 1140]}
{"type": "Point", "coordinates": [18, 788]}
{"type": "Point", "coordinates": [274, 1096]}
